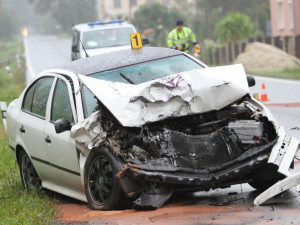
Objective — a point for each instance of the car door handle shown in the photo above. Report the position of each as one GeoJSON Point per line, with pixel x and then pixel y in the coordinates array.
{"type": "Point", "coordinates": [22, 130]}
{"type": "Point", "coordinates": [47, 139]}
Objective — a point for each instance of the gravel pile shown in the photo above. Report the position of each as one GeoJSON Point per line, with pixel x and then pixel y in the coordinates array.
{"type": "Point", "coordinates": [265, 57]}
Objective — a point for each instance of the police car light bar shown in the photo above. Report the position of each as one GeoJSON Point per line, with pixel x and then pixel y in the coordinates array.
{"type": "Point", "coordinates": [108, 22]}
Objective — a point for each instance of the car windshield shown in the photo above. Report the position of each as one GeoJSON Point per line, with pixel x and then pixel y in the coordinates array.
{"type": "Point", "coordinates": [151, 70]}
{"type": "Point", "coordinates": [107, 37]}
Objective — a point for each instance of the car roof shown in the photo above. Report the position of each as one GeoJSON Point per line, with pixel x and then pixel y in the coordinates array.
{"type": "Point", "coordinates": [117, 59]}
{"type": "Point", "coordinates": [88, 26]}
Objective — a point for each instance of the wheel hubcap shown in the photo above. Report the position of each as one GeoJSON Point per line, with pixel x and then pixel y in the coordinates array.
{"type": "Point", "coordinates": [101, 181]}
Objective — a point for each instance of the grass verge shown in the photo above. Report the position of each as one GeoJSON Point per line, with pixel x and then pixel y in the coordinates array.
{"type": "Point", "coordinates": [17, 206]}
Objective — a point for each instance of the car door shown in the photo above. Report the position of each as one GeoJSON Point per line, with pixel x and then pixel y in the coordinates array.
{"type": "Point", "coordinates": [31, 123]}
{"type": "Point", "coordinates": [61, 150]}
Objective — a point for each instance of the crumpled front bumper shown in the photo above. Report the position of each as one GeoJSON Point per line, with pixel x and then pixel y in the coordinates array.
{"type": "Point", "coordinates": [161, 171]}
{"type": "Point", "coordinates": [283, 154]}
{"type": "Point", "coordinates": [280, 152]}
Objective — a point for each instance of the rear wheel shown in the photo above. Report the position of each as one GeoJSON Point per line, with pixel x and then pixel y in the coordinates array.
{"type": "Point", "coordinates": [102, 188]}
{"type": "Point", "coordinates": [29, 176]}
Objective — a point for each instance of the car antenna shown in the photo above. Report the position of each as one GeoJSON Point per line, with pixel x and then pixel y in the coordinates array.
{"type": "Point", "coordinates": [86, 55]}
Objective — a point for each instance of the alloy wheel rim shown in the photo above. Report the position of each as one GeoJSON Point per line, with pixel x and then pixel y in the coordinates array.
{"type": "Point", "coordinates": [100, 180]}
{"type": "Point", "coordinates": [29, 175]}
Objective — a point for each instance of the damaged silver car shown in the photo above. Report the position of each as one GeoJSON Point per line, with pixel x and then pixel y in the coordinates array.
{"type": "Point", "coordinates": [135, 126]}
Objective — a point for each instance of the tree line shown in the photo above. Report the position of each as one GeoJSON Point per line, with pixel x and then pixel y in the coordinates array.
{"type": "Point", "coordinates": [203, 16]}
{"type": "Point", "coordinates": [220, 20]}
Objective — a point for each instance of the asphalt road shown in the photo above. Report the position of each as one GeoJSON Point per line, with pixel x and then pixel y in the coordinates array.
{"type": "Point", "coordinates": [283, 101]}
{"type": "Point", "coordinates": [228, 206]}
{"type": "Point", "coordinates": [45, 53]}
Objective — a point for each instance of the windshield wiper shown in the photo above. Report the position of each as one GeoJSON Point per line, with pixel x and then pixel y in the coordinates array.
{"type": "Point", "coordinates": [126, 78]}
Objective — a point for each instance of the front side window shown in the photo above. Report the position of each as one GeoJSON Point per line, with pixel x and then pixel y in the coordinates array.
{"type": "Point", "coordinates": [146, 71]}
{"type": "Point", "coordinates": [90, 102]}
{"type": "Point", "coordinates": [36, 97]}
{"type": "Point", "coordinates": [61, 105]}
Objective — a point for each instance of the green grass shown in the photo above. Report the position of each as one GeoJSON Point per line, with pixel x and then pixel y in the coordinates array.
{"type": "Point", "coordinates": [8, 49]}
{"type": "Point", "coordinates": [287, 73]}
{"type": "Point", "coordinates": [17, 206]}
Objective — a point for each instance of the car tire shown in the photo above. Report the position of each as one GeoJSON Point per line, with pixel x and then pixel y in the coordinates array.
{"type": "Point", "coordinates": [262, 185]}
{"type": "Point", "coordinates": [101, 186]}
{"type": "Point", "coordinates": [29, 176]}
{"type": "Point", "coordinates": [265, 176]}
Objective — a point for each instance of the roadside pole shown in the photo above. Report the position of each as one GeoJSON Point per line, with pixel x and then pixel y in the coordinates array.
{"type": "Point", "coordinates": [3, 109]}
{"type": "Point", "coordinates": [295, 27]}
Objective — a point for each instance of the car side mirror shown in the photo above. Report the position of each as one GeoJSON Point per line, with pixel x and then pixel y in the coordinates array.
{"type": "Point", "coordinates": [75, 48]}
{"type": "Point", "coordinates": [62, 125]}
{"type": "Point", "coordinates": [145, 41]}
{"type": "Point", "coordinates": [250, 80]}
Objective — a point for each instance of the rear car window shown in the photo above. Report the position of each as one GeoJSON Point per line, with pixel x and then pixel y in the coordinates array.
{"type": "Point", "coordinates": [27, 104]}
{"type": "Point", "coordinates": [36, 97]}
{"type": "Point", "coordinates": [146, 71]}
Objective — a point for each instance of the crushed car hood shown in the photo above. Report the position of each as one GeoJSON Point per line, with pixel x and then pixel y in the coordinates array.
{"type": "Point", "coordinates": [181, 94]}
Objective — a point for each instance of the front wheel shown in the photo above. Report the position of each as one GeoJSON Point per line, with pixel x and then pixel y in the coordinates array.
{"type": "Point", "coordinates": [29, 176]}
{"type": "Point", "coordinates": [265, 176]}
{"type": "Point", "coordinates": [102, 188]}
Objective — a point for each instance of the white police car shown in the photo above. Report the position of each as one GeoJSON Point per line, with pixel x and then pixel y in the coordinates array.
{"type": "Point", "coordinates": [100, 37]}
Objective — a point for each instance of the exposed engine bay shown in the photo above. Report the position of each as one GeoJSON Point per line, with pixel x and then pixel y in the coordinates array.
{"type": "Point", "coordinates": [196, 152]}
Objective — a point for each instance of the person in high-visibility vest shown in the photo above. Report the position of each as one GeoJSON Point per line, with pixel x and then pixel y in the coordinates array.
{"type": "Point", "coordinates": [180, 37]}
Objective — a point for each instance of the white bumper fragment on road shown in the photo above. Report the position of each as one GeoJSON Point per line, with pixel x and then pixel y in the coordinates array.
{"type": "Point", "coordinates": [286, 149]}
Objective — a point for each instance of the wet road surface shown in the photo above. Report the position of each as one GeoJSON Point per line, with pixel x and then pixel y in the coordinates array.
{"type": "Point", "coordinates": [223, 206]}
{"type": "Point", "coordinates": [230, 206]}
{"type": "Point", "coordinates": [45, 52]}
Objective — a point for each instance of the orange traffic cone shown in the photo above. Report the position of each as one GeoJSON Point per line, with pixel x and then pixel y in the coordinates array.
{"type": "Point", "coordinates": [263, 96]}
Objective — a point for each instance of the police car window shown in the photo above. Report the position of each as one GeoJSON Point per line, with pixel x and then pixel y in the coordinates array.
{"type": "Point", "coordinates": [61, 105]}
{"type": "Point", "coordinates": [36, 97]}
{"type": "Point", "coordinates": [107, 38]}
{"type": "Point", "coordinates": [146, 71]}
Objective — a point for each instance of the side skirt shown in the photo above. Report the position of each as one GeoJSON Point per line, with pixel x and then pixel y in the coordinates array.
{"type": "Point", "coordinates": [64, 191]}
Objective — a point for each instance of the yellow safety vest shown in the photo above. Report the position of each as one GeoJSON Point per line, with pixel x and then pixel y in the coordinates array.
{"type": "Point", "coordinates": [183, 37]}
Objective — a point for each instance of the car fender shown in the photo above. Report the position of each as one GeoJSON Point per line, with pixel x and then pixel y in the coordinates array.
{"type": "Point", "coordinates": [12, 114]}
{"type": "Point", "coordinates": [82, 162]}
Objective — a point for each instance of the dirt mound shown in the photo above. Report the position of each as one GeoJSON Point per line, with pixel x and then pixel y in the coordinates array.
{"type": "Point", "coordinates": [264, 57]}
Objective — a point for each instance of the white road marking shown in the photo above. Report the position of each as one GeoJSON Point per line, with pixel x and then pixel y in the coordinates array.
{"type": "Point", "coordinates": [278, 80]}
{"type": "Point", "coordinates": [30, 71]}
